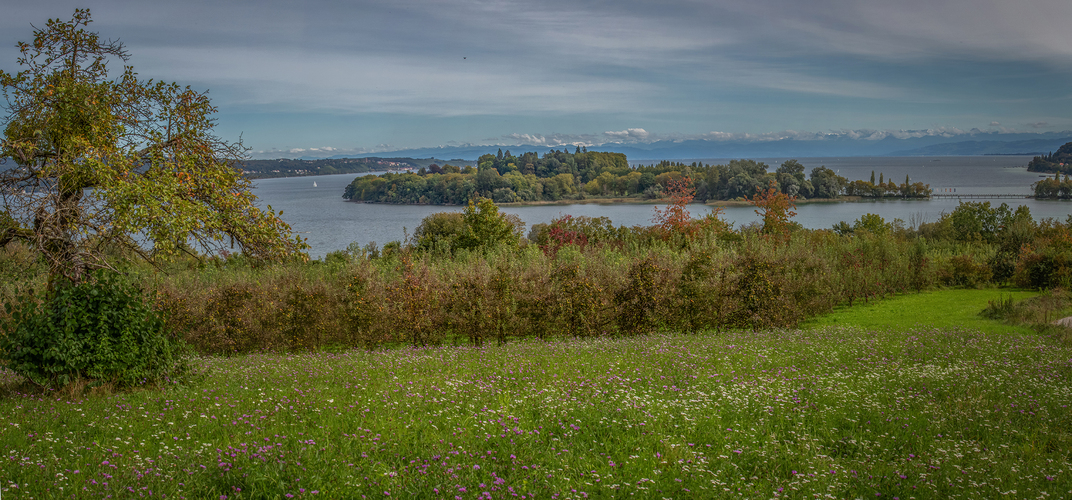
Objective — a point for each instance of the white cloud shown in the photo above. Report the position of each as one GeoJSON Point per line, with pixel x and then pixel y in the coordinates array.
{"type": "Point", "coordinates": [629, 135]}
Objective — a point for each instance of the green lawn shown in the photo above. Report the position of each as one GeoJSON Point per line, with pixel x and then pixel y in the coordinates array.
{"type": "Point", "coordinates": [943, 309]}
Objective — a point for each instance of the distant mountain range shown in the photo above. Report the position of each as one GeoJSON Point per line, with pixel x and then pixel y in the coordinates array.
{"type": "Point", "coordinates": [980, 144]}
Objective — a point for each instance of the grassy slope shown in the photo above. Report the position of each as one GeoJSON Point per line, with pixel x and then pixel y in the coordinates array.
{"type": "Point", "coordinates": [942, 309]}
{"type": "Point", "coordinates": [828, 410]}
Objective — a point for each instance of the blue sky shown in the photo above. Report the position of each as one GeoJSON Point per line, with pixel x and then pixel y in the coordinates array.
{"type": "Point", "coordinates": [336, 77]}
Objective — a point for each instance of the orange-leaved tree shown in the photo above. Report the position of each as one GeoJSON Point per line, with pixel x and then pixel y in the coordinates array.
{"type": "Point", "coordinates": [776, 208]}
{"type": "Point", "coordinates": [675, 219]}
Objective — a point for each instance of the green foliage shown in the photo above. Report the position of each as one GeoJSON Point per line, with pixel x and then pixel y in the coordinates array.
{"type": "Point", "coordinates": [560, 175]}
{"type": "Point", "coordinates": [872, 223]}
{"type": "Point", "coordinates": [284, 167]}
{"type": "Point", "coordinates": [102, 330]}
{"type": "Point", "coordinates": [580, 231]}
{"type": "Point", "coordinates": [439, 232]}
{"type": "Point", "coordinates": [486, 228]}
{"type": "Point", "coordinates": [978, 221]}
{"type": "Point", "coordinates": [1055, 187]}
{"type": "Point", "coordinates": [887, 189]}
{"type": "Point", "coordinates": [637, 302]}
{"type": "Point", "coordinates": [99, 159]}
{"type": "Point", "coordinates": [758, 287]}
{"type": "Point", "coordinates": [583, 277]}
{"type": "Point", "coordinates": [1001, 308]}
{"type": "Point", "coordinates": [965, 271]}
{"type": "Point", "coordinates": [1059, 161]}
{"type": "Point", "coordinates": [1046, 264]}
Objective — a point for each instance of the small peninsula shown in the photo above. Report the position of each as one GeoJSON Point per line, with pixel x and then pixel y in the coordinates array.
{"type": "Point", "coordinates": [1059, 161]}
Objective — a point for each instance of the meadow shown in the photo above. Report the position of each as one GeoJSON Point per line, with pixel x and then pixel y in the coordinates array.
{"type": "Point", "coordinates": [824, 411]}
{"type": "Point", "coordinates": [684, 360]}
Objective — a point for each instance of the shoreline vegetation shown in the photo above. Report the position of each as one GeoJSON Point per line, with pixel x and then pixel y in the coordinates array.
{"type": "Point", "coordinates": [1058, 163]}
{"type": "Point", "coordinates": [644, 201]}
{"type": "Point", "coordinates": [582, 175]}
{"type": "Point", "coordinates": [284, 167]}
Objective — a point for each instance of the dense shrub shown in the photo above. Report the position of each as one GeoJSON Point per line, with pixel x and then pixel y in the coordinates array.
{"type": "Point", "coordinates": [585, 277]}
{"type": "Point", "coordinates": [965, 271]}
{"type": "Point", "coordinates": [102, 330]}
{"type": "Point", "coordinates": [580, 231]}
{"type": "Point", "coordinates": [486, 228]}
{"type": "Point", "coordinates": [439, 231]}
{"type": "Point", "coordinates": [1044, 266]}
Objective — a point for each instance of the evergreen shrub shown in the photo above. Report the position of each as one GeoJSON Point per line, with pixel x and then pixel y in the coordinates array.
{"type": "Point", "coordinates": [103, 330]}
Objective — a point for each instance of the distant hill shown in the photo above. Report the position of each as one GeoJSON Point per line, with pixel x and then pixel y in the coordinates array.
{"type": "Point", "coordinates": [982, 143]}
{"type": "Point", "coordinates": [971, 148]}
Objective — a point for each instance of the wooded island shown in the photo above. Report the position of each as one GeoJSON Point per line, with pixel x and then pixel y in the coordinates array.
{"type": "Point", "coordinates": [583, 174]}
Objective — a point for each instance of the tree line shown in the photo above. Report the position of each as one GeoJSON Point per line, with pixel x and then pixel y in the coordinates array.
{"type": "Point", "coordinates": [561, 175]}
{"type": "Point", "coordinates": [286, 167]}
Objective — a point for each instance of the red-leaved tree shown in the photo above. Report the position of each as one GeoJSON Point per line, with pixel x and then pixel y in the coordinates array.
{"type": "Point", "coordinates": [675, 219]}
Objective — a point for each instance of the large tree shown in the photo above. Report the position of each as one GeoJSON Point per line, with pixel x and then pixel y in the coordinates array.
{"type": "Point", "coordinates": [93, 162]}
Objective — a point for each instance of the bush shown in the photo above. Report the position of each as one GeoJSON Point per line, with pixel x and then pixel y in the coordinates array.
{"type": "Point", "coordinates": [103, 330]}
{"type": "Point", "coordinates": [486, 228]}
{"type": "Point", "coordinates": [439, 231]}
{"type": "Point", "coordinates": [1045, 265]}
{"type": "Point", "coordinates": [964, 271]}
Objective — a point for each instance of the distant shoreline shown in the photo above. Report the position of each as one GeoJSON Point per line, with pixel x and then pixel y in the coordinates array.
{"type": "Point", "coordinates": [631, 201]}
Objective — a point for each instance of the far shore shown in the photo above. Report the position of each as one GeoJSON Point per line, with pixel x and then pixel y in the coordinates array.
{"type": "Point", "coordinates": [634, 201]}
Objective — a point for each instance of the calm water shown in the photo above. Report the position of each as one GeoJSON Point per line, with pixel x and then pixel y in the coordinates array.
{"type": "Point", "coordinates": [329, 223]}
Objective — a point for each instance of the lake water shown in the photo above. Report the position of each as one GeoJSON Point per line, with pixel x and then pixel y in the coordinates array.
{"type": "Point", "coordinates": [330, 223]}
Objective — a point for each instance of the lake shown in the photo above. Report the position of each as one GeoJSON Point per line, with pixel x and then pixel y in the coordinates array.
{"type": "Point", "coordinates": [329, 223]}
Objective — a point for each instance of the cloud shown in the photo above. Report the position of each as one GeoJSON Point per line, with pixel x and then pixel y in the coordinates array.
{"type": "Point", "coordinates": [467, 69]}
{"type": "Point", "coordinates": [629, 135]}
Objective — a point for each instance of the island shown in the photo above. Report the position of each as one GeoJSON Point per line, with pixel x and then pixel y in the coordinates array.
{"type": "Point", "coordinates": [592, 175]}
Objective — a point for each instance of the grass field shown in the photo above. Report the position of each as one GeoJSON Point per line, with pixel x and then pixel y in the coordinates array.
{"type": "Point", "coordinates": [826, 411]}
{"type": "Point", "coordinates": [957, 308]}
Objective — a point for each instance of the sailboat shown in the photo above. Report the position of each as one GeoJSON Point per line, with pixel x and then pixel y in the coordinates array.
{"type": "Point", "coordinates": [314, 183]}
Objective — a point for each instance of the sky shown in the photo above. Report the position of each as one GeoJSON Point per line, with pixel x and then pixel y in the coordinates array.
{"type": "Point", "coordinates": [329, 77]}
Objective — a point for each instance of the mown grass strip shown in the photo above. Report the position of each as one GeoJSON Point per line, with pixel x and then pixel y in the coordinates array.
{"type": "Point", "coordinates": [955, 308]}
